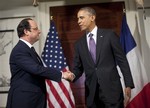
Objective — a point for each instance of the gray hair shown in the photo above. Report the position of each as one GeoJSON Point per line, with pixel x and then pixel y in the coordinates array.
{"type": "Point", "coordinates": [89, 10]}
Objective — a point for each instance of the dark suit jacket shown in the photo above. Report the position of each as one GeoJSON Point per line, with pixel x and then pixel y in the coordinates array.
{"type": "Point", "coordinates": [104, 72]}
{"type": "Point", "coordinates": [28, 89]}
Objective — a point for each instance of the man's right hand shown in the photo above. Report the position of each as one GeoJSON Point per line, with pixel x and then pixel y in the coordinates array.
{"type": "Point", "coordinates": [69, 76]}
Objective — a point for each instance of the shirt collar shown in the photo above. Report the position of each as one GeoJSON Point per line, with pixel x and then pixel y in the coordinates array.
{"type": "Point", "coordinates": [26, 42]}
{"type": "Point", "coordinates": [94, 31]}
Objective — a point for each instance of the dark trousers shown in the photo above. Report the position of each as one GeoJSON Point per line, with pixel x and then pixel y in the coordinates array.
{"type": "Point", "coordinates": [99, 101]}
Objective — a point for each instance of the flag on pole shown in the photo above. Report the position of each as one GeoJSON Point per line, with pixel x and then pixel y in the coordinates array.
{"type": "Point", "coordinates": [59, 95]}
{"type": "Point", "coordinates": [140, 95]}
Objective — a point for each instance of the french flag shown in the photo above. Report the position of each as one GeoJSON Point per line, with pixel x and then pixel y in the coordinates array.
{"type": "Point", "coordinates": [140, 95]}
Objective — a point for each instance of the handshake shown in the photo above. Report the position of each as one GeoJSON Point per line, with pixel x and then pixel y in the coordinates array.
{"type": "Point", "coordinates": [68, 75]}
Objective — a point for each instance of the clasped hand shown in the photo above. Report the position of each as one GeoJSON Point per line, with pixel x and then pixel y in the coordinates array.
{"type": "Point", "coordinates": [68, 76]}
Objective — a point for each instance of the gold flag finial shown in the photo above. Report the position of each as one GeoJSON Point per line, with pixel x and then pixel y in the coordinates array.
{"type": "Point", "coordinates": [51, 17]}
{"type": "Point", "coordinates": [124, 10]}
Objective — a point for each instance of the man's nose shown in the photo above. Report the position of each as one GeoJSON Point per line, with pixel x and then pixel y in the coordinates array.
{"type": "Point", "coordinates": [39, 31]}
{"type": "Point", "coordinates": [79, 21]}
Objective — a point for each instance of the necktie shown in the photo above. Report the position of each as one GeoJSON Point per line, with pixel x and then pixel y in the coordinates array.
{"type": "Point", "coordinates": [92, 47]}
{"type": "Point", "coordinates": [32, 48]}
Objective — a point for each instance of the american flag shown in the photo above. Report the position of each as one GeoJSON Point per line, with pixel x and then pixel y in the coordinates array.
{"type": "Point", "coordinates": [59, 95]}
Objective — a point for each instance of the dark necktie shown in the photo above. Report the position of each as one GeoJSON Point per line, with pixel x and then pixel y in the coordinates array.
{"type": "Point", "coordinates": [32, 48]}
{"type": "Point", "coordinates": [92, 47]}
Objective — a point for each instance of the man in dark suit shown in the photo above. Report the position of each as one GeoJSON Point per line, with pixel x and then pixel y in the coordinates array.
{"type": "Point", "coordinates": [28, 89]}
{"type": "Point", "coordinates": [102, 84]}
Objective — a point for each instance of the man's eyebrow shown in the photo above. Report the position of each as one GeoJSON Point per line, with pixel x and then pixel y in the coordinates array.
{"type": "Point", "coordinates": [81, 17]}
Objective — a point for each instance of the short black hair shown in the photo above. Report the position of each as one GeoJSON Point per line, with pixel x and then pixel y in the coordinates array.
{"type": "Point", "coordinates": [24, 24]}
{"type": "Point", "coordinates": [89, 9]}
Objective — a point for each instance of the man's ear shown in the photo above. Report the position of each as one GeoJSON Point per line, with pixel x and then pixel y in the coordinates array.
{"type": "Point", "coordinates": [26, 32]}
{"type": "Point", "coordinates": [93, 18]}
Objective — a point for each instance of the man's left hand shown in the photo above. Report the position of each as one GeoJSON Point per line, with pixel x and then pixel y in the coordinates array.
{"type": "Point", "coordinates": [127, 96]}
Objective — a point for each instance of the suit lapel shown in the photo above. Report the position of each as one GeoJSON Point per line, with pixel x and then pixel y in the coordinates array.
{"type": "Point", "coordinates": [100, 38]}
{"type": "Point", "coordinates": [26, 47]}
{"type": "Point", "coordinates": [36, 56]}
